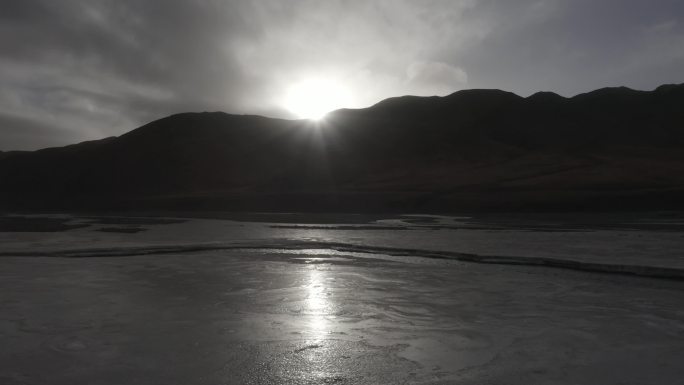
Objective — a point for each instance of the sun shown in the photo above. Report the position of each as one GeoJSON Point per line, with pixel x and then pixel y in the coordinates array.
{"type": "Point", "coordinates": [314, 98]}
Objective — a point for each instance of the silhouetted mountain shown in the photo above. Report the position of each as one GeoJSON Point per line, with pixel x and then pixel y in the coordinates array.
{"type": "Point", "coordinates": [472, 150]}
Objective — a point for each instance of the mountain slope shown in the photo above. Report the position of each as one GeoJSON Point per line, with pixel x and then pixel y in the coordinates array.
{"type": "Point", "coordinates": [474, 149]}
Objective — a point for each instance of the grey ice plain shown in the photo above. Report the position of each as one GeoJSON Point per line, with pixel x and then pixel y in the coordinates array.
{"type": "Point", "coordinates": [271, 300]}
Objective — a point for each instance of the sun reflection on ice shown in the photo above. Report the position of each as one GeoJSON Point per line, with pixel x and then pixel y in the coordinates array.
{"type": "Point", "coordinates": [317, 303]}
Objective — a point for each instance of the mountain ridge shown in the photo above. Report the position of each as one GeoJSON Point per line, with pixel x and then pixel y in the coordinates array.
{"type": "Point", "coordinates": [470, 150]}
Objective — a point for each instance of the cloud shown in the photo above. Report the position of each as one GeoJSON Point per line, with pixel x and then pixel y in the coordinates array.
{"type": "Point", "coordinates": [95, 68]}
{"type": "Point", "coordinates": [26, 133]}
{"type": "Point", "coordinates": [435, 78]}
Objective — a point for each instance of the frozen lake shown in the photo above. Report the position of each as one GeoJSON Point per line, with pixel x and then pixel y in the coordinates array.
{"type": "Point", "coordinates": [279, 299]}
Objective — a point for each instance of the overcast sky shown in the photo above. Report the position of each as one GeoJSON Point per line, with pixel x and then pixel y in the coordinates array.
{"type": "Point", "coordinates": [74, 70]}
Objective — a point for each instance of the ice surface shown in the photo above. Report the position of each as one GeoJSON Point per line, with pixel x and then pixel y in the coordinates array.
{"type": "Point", "coordinates": [263, 314]}
{"type": "Point", "coordinates": [626, 243]}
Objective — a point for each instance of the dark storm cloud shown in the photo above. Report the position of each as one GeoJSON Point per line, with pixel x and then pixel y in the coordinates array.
{"type": "Point", "coordinates": [83, 69]}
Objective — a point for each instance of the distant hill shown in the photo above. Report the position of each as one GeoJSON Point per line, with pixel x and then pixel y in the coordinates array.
{"type": "Point", "coordinates": [613, 148]}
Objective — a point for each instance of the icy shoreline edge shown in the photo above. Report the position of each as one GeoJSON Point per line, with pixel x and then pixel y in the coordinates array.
{"type": "Point", "coordinates": [660, 272]}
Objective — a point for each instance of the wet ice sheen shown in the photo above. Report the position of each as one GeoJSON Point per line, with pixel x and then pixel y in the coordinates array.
{"type": "Point", "coordinates": [320, 316]}
{"type": "Point", "coordinates": [614, 240]}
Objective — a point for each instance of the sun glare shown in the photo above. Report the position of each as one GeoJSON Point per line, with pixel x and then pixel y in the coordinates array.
{"type": "Point", "coordinates": [313, 99]}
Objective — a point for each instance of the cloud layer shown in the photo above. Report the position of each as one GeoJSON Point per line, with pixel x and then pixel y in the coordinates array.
{"type": "Point", "coordinates": [75, 70]}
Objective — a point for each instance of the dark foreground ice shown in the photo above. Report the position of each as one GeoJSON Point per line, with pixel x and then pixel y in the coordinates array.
{"type": "Point", "coordinates": [311, 315]}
